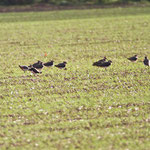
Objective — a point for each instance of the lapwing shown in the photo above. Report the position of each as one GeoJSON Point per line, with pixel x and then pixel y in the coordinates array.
{"type": "Point", "coordinates": [24, 68]}
{"type": "Point", "coordinates": [105, 64]}
{"type": "Point", "coordinates": [99, 62]}
{"type": "Point", "coordinates": [61, 65]}
{"type": "Point", "coordinates": [35, 64]}
{"type": "Point", "coordinates": [38, 65]}
{"type": "Point", "coordinates": [34, 70]}
{"type": "Point", "coordinates": [133, 58]}
{"type": "Point", "coordinates": [49, 64]}
{"type": "Point", "coordinates": [146, 61]}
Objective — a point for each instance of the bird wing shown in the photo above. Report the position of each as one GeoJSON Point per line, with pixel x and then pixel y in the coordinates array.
{"type": "Point", "coordinates": [48, 64]}
{"type": "Point", "coordinates": [60, 65]}
{"type": "Point", "coordinates": [23, 67]}
{"type": "Point", "coordinates": [104, 64]}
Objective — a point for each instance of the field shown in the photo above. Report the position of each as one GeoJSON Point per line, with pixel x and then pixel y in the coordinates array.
{"type": "Point", "coordinates": [83, 107]}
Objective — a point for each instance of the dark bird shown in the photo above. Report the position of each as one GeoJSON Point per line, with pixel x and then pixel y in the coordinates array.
{"type": "Point", "coordinates": [49, 64]}
{"type": "Point", "coordinates": [24, 68]}
{"type": "Point", "coordinates": [146, 61]}
{"type": "Point", "coordinates": [38, 65]}
{"type": "Point", "coordinates": [105, 64]}
{"type": "Point", "coordinates": [133, 59]}
{"type": "Point", "coordinates": [99, 62]}
{"type": "Point", "coordinates": [61, 65]}
{"type": "Point", "coordinates": [34, 70]}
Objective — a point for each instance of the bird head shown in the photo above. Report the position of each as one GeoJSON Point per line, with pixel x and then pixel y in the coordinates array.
{"type": "Point", "coordinates": [136, 56]}
{"type": "Point", "coordinates": [145, 57]}
{"type": "Point", "coordinates": [65, 62]}
{"type": "Point", "coordinates": [39, 62]}
{"type": "Point", "coordinates": [105, 58]}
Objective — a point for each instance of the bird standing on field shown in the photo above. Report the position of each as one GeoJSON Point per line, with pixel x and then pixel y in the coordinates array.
{"type": "Point", "coordinates": [49, 64]}
{"type": "Point", "coordinates": [105, 64]}
{"type": "Point", "coordinates": [133, 58]}
{"type": "Point", "coordinates": [24, 68]}
{"type": "Point", "coordinates": [38, 65]}
{"type": "Point", "coordinates": [61, 65]}
{"type": "Point", "coordinates": [99, 62]}
{"type": "Point", "coordinates": [34, 70]}
{"type": "Point", "coordinates": [146, 61]}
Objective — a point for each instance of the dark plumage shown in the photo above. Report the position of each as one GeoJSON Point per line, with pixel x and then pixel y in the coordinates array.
{"type": "Point", "coordinates": [105, 64]}
{"type": "Point", "coordinates": [99, 62]}
{"type": "Point", "coordinates": [61, 65]}
{"type": "Point", "coordinates": [24, 68]}
{"type": "Point", "coordinates": [102, 60]}
{"type": "Point", "coordinates": [49, 64]}
{"type": "Point", "coordinates": [146, 61]}
{"type": "Point", "coordinates": [133, 58]}
{"type": "Point", "coordinates": [38, 65]}
{"type": "Point", "coordinates": [34, 70]}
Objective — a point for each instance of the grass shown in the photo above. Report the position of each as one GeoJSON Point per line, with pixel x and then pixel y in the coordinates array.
{"type": "Point", "coordinates": [83, 107]}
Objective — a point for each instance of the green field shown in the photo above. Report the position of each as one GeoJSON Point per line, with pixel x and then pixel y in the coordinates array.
{"type": "Point", "coordinates": [83, 107]}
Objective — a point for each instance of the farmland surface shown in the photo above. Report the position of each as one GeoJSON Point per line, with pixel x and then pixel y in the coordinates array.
{"type": "Point", "coordinates": [83, 107]}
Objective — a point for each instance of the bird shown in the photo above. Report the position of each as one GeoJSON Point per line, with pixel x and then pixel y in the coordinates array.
{"type": "Point", "coordinates": [37, 62]}
{"type": "Point", "coordinates": [34, 70]}
{"type": "Point", "coordinates": [49, 64]}
{"type": "Point", "coordinates": [146, 61]}
{"type": "Point", "coordinates": [105, 64]}
{"type": "Point", "coordinates": [133, 58]}
{"type": "Point", "coordinates": [24, 68]}
{"type": "Point", "coordinates": [61, 65]}
{"type": "Point", "coordinates": [99, 62]}
{"type": "Point", "coordinates": [38, 65]}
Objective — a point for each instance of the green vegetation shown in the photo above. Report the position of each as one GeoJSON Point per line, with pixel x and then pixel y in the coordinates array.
{"type": "Point", "coordinates": [83, 107]}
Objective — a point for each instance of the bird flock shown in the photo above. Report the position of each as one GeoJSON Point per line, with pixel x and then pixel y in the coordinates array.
{"type": "Point", "coordinates": [104, 63]}
{"type": "Point", "coordinates": [146, 61]}
{"type": "Point", "coordinates": [37, 67]}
